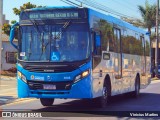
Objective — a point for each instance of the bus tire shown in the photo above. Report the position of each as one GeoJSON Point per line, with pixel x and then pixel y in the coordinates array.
{"type": "Point", "coordinates": [47, 101]}
{"type": "Point", "coordinates": [102, 101]}
{"type": "Point", "coordinates": [137, 87]}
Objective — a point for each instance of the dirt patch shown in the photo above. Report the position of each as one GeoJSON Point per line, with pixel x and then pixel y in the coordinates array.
{"type": "Point", "coordinates": [10, 72]}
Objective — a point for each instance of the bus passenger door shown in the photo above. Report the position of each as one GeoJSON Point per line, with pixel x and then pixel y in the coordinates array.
{"type": "Point", "coordinates": [96, 49]}
{"type": "Point", "coordinates": [118, 83]}
{"type": "Point", "coordinates": [96, 59]}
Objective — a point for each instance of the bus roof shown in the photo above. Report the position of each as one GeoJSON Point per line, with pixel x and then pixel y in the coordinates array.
{"type": "Point", "coordinates": [49, 8]}
{"type": "Point", "coordinates": [98, 14]}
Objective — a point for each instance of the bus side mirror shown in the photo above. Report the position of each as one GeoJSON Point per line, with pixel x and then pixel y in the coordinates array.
{"type": "Point", "coordinates": [12, 34]}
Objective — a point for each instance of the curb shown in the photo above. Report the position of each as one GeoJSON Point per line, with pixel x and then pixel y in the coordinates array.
{"type": "Point", "coordinates": [7, 78]}
{"type": "Point", "coordinates": [155, 78]}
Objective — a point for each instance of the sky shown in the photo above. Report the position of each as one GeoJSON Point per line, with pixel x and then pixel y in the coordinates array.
{"type": "Point", "coordinates": [126, 7]}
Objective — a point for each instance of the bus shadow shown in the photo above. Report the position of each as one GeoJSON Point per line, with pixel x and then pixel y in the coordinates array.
{"type": "Point", "coordinates": [145, 102]}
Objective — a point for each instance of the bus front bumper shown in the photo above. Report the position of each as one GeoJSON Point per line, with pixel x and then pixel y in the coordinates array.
{"type": "Point", "coordinates": [80, 89]}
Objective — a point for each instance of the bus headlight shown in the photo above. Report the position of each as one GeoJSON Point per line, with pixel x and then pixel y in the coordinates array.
{"type": "Point", "coordinates": [24, 78]}
{"type": "Point", "coordinates": [82, 75]}
{"type": "Point", "coordinates": [85, 73]}
{"type": "Point", "coordinates": [21, 76]}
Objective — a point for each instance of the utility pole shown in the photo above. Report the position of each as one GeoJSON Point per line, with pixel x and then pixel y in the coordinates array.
{"type": "Point", "coordinates": [1, 18]}
{"type": "Point", "coordinates": [157, 39]}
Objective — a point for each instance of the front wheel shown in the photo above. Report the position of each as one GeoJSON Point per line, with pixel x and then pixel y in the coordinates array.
{"type": "Point", "coordinates": [104, 99]}
{"type": "Point", "coordinates": [47, 101]}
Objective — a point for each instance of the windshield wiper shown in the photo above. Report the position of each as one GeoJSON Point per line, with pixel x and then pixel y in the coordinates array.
{"type": "Point", "coordinates": [66, 24]}
{"type": "Point", "coordinates": [29, 51]}
{"type": "Point", "coordinates": [43, 46]}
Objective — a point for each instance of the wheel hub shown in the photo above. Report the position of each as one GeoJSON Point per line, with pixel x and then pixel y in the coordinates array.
{"type": "Point", "coordinates": [105, 93]}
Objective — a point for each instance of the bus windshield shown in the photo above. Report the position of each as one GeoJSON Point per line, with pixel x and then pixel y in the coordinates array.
{"type": "Point", "coordinates": [55, 43]}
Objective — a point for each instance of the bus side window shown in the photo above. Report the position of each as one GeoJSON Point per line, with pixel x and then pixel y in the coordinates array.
{"type": "Point", "coordinates": [96, 48]}
{"type": "Point", "coordinates": [96, 43]}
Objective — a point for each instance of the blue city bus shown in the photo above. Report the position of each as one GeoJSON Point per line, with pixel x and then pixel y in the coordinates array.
{"type": "Point", "coordinates": [80, 53]}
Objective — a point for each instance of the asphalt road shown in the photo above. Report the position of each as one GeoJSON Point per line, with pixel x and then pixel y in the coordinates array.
{"type": "Point", "coordinates": [148, 101]}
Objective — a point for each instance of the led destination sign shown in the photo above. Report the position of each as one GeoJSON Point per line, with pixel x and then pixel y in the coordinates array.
{"type": "Point", "coordinates": [54, 15]}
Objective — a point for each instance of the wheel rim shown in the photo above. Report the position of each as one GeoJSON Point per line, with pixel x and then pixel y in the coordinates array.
{"type": "Point", "coordinates": [105, 93]}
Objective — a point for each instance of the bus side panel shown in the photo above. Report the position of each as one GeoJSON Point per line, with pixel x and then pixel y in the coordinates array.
{"type": "Point", "coordinates": [104, 24]}
{"type": "Point", "coordinates": [132, 58]}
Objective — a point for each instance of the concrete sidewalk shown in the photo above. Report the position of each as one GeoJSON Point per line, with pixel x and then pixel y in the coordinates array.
{"type": "Point", "coordinates": [8, 92]}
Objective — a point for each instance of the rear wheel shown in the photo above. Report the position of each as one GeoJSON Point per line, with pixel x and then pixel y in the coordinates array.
{"type": "Point", "coordinates": [47, 101]}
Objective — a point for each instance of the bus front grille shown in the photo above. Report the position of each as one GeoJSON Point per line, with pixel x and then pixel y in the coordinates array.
{"type": "Point", "coordinates": [38, 85]}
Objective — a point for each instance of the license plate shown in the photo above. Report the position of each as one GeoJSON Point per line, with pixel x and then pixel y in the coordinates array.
{"type": "Point", "coordinates": [49, 87]}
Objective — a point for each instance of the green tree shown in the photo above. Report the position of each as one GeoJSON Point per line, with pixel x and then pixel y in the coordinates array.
{"type": "Point", "coordinates": [25, 6]}
{"type": "Point", "coordinates": [148, 14]}
{"type": "Point", "coordinates": [6, 28]}
{"type": "Point", "coordinates": [16, 11]}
